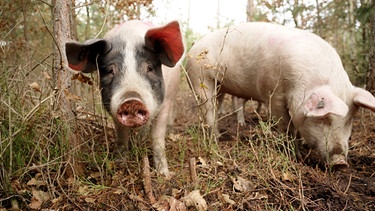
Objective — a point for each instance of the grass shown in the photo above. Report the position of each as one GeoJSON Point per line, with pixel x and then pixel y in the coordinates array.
{"type": "Point", "coordinates": [254, 165]}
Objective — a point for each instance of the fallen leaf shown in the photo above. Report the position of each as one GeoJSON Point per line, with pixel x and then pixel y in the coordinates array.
{"type": "Point", "coordinates": [169, 203]}
{"type": "Point", "coordinates": [258, 195]}
{"type": "Point", "coordinates": [118, 191]}
{"type": "Point", "coordinates": [194, 198]}
{"type": "Point", "coordinates": [287, 177]}
{"type": "Point", "coordinates": [89, 200]}
{"type": "Point", "coordinates": [39, 197]}
{"type": "Point", "coordinates": [31, 182]}
{"type": "Point", "coordinates": [240, 184]}
{"type": "Point", "coordinates": [35, 204]}
{"type": "Point", "coordinates": [176, 192]}
{"type": "Point", "coordinates": [35, 86]}
{"type": "Point", "coordinates": [47, 76]}
{"type": "Point", "coordinates": [83, 190]}
{"type": "Point", "coordinates": [55, 200]}
{"type": "Point", "coordinates": [82, 78]}
{"type": "Point", "coordinates": [201, 161]}
{"type": "Point", "coordinates": [71, 96]}
{"type": "Point", "coordinates": [35, 182]}
{"type": "Point", "coordinates": [227, 199]}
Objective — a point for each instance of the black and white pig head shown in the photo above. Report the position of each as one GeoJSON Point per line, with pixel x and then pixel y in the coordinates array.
{"type": "Point", "coordinates": [129, 59]}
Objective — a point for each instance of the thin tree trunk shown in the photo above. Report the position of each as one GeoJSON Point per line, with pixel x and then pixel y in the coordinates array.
{"type": "Point", "coordinates": [63, 31]}
{"type": "Point", "coordinates": [250, 10]}
{"type": "Point", "coordinates": [371, 71]}
{"type": "Point", "coordinates": [319, 19]}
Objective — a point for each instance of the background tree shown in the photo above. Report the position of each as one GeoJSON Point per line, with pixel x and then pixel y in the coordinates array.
{"type": "Point", "coordinates": [63, 31]}
{"type": "Point", "coordinates": [371, 69]}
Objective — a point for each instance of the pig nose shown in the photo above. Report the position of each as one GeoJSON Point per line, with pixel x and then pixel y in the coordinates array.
{"type": "Point", "coordinates": [132, 113]}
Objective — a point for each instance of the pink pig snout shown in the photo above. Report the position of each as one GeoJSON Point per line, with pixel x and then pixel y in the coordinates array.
{"type": "Point", "coordinates": [133, 113]}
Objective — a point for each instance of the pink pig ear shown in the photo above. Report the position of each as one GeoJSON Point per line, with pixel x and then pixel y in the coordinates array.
{"type": "Point", "coordinates": [167, 41]}
{"type": "Point", "coordinates": [363, 98]}
{"type": "Point", "coordinates": [322, 102]}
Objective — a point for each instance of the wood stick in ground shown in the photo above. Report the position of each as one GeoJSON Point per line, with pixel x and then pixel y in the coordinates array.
{"type": "Point", "coordinates": [147, 180]}
{"type": "Point", "coordinates": [193, 170]}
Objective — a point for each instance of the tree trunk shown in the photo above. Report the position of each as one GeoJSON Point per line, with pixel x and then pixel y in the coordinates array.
{"type": "Point", "coordinates": [250, 10]}
{"type": "Point", "coordinates": [63, 107]}
{"type": "Point", "coordinates": [371, 72]}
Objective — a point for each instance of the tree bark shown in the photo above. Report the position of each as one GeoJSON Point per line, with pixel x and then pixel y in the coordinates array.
{"type": "Point", "coordinates": [250, 10]}
{"type": "Point", "coordinates": [371, 72]}
{"type": "Point", "coordinates": [63, 107]}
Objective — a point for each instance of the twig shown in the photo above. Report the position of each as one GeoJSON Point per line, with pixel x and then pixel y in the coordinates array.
{"type": "Point", "coordinates": [147, 180]}
{"type": "Point", "coordinates": [350, 181]}
{"type": "Point", "coordinates": [193, 170]}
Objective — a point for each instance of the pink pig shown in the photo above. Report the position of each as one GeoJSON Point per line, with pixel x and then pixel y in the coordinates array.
{"type": "Point", "coordinates": [294, 72]}
{"type": "Point", "coordinates": [139, 74]}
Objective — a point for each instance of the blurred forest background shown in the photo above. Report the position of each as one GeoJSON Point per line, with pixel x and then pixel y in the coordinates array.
{"type": "Point", "coordinates": [40, 103]}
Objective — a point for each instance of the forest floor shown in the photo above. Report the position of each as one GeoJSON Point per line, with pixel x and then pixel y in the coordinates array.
{"type": "Point", "coordinates": [244, 170]}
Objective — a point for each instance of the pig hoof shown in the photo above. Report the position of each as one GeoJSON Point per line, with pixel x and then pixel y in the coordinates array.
{"type": "Point", "coordinates": [242, 124]}
{"type": "Point", "coordinates": [133, 113]}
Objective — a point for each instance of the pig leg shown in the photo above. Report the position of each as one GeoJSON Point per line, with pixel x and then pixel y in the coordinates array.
{"type": "Point", "coordinates": [172, 115]}
{"type": "Point", "coordinates": [207, 97]}
{"type": "Point", "coordinates": [239, 106]}
{"type": "Point", "coordinates": [220, 99]}
{"type": "Point", "coordinates": [158, 136]}
{"type": "Point", "coordinates": [164, 119]}
{"type": "Point", "coordinates": [259, 108]}
{"type": "Point", "coordinates": [122, 136]}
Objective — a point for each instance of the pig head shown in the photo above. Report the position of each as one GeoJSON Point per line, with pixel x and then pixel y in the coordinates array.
{"type": "Point", "coordinates": [298, 75]}
{"type": "Point", "coordinates": [132, 61]}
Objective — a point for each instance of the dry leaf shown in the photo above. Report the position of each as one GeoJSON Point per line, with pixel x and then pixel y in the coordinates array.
{"type": "Point", "coordinates": [82, 78]}
{"type": "Point", "coordinates": [201, 161]}
{"type": "Point", "coordinates": [83, 190]}
{"type": "Point", "coordinates": [240, 184]}
{"type": "Point", "coordinates": [287, 177]}
{"type": "Point", "coordinates": [55, 200]}
{"type": "Point", "coordinates": [118, 191]}
{"type": "Point", "coordinates": [47, 76]}
{"type": "Point", "coordinates": [35, 86]}
{"type": "Point", "coordinates": [258, 195]}
{"type": "Point", "coordinates": [35, 182]}
{"type": "Point", "coordinates": [35, 204]}
{"type": "Point", "coordinates": [39, 197]}
{"type": "Point", "coordinates": [194, 198]}
{"type": "Point", "coordinates": [71, 96]}
{"type": "Point", "coordinates": [169, 203]}
{"type": "Point", "coordinates": [31, 182]}
{"type": "Point", "coordinates": [89, 200]}
{"type": "Point", "coordinates": [227, 199]}
{"type": "Point", "coordinates": [176, 192]}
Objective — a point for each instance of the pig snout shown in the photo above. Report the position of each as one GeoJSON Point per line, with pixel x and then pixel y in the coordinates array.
{"type": "Point", "coordinates": [338, 162]}
{"type": "Point", "coordinates": [133, 113]}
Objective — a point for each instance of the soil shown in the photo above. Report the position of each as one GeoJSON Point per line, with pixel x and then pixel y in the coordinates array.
{"type": "Point", "coordinates": [121, 185]}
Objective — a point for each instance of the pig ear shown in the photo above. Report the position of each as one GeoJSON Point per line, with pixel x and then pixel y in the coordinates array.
{"type": "Point", "coordinates": [323, 102]}
{"type": "Point", "coordinates": [363, 98]}
{"type": "Point", "coordinates": [82, 56]}
{"type": "Point", "coordinates": [167, 42]}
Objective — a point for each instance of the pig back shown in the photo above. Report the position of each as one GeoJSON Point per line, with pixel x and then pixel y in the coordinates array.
{"type": "Point", "coordinates": [257, 57]}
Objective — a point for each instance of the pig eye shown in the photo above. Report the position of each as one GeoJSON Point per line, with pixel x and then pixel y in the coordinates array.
{"type": "Point", "coordinates": [150, 68]}
{"type": "Point", "coordinates": [109, 70]}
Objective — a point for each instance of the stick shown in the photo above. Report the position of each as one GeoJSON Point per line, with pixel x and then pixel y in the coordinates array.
{"type": "Point", "coordinates": [147, 180]}
{"type": "Point", "coordinates": [193, 170]}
